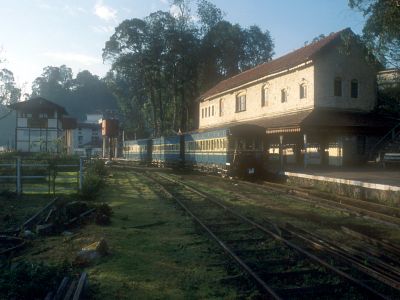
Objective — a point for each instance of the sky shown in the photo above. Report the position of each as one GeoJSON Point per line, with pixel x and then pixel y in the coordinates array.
{"type": "Point", "coordinates": [39, 33]}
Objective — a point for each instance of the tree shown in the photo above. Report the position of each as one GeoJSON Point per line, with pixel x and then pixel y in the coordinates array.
{"type": "Point", "coordinates": [209, 15]}
{"type": "Point", "coordinates": [80, 95]}
{"type": "Point", "coordinates": [381, 31]}
{"type": "Point", "coordinates": [160, 64]}
{"type": "Point", "coordinates": [9, 93]}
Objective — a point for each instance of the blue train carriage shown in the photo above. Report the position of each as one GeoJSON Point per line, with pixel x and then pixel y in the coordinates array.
{"type": "Point", "coordinates": [236, 150]}
{"type": "Point", "coordinates": [138, 150]}
{"type": "Point", "coordinates": [167, 151]}
{"type": "Point", "coordinates": [207, 150]}
{"type": "Point", "coordinates": [247, 150]}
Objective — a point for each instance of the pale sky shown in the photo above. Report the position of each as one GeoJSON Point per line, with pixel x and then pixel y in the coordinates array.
{"type": "Point", "coordinates": [39, 33]}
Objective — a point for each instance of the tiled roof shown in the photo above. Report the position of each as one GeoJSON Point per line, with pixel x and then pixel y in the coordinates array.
{"type": "Point", "coordinates": [282, 63]}
{"type": "Point", "coordinates": [38, 104]}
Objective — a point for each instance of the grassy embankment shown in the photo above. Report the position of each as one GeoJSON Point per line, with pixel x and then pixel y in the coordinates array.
{"type": "Point", "coordinates": [155, 250]}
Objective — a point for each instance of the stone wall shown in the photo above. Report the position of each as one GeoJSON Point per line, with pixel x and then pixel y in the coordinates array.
{"type": "Point", "coordinates": [347, 63]}
{"type": "Point", "coordinates": [290, 81]}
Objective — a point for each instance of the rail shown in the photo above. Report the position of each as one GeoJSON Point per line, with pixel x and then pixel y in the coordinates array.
{"type": "Point", "coordinates": [272, 292]}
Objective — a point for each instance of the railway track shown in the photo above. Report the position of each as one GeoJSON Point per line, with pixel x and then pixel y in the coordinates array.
{"type": "Point", "coordinates": [283, 262]}
{"type": "Point", "coordinates": [386, 214]}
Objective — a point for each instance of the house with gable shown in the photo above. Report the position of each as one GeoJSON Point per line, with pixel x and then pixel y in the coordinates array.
{"type": "Point", "coordinates": [315, 103]}
{"type": "Point", "coordinates": [39, 126]}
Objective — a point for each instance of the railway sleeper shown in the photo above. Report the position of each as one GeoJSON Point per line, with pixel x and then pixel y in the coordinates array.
{"type": "Point", "coordinates": [222, 224]}
{"type": "Point", "coordinates": [258, 251]}
{"type": "Point", "coordinates": [259, 266]}
{"type": "Point", "coordinates": [305, 292]}
{"type": "Point", "coordinates": [292, 274]}
{"type": "Point", "coordinates": [235, 231]}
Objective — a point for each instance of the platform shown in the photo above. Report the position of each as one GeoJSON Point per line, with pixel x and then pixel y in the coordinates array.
{"type": "Point", "coordinates": [370, 180]}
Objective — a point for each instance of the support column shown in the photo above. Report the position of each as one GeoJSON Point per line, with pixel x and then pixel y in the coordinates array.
{"type": "Point", "coordinates": [281, 153]}
{"type": "Point", "coordinates": [305, 151]}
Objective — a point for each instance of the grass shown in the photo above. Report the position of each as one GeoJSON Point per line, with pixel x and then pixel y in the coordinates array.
{"type": "Point", "coordinates": [14, 211]}
{"type": "Point", "coordinates": [155, 250]}
{"type": "Point", "coordinates": [281, 208]}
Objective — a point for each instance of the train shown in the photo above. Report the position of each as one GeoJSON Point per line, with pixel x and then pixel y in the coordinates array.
{"type": "Point", "coordinates": [237, 150]}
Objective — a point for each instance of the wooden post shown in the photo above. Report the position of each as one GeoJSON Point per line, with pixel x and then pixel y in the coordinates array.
{"type": "Point", "coordinates": [281, 152]}
{"type": "Point", "coordinates": [80, 173]}
{"type": "Point", "coordinates": [305, 151]}
{"type": "Point", "coordinates": [18, 176]}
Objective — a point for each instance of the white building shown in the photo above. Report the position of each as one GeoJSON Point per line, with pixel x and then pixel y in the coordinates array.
{"type": "Point", "coordinates": [318, 100]}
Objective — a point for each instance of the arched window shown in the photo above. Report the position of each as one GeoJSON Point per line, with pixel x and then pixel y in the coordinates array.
{"type": "Point", "coordinates": [283, 96]}
{"type": "Point", "coordinates": [354, 88]}
{"type": "Point", "coordinates": [337, 87]}
{"type": "Point", "coordinates": [221, 107]}
{"type": "Point", "coordinates": [240, 102]}
{"type": "Point", "coordinates": [303, 91]}
{"type": "Point", "coordinates": [264, 96]}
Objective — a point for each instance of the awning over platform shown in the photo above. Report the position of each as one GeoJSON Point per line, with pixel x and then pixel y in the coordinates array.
{"type": "Point", "coordinates": [321, 121]}
{"type": "Point", "coordinates": [325, 120]}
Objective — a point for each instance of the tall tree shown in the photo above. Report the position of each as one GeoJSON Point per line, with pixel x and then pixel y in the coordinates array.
{"type": "Point", "coordinates": [382, 28]}
{"type": "Point", "coordinates": [9, 92]}
{"type": "Point", "coordinates": [83, 94]}
{"type": "Point", "coordinates": [209, 14]}
{"type": "Point", "coordinates": [160, 64]}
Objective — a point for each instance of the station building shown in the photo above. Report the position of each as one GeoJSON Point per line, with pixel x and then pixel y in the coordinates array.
{"type": "Point", "coordinates": [316, 103]}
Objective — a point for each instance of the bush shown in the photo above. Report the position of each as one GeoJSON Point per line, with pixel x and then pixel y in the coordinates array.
{"type": "Point", "coordinates": [25, 280]}
{"type": "Point", "coordinates": [91, 186]}
{"type": "Point", "coordinates": [103, 214]}
{"type": "Point", "coordinates": [97, 167]}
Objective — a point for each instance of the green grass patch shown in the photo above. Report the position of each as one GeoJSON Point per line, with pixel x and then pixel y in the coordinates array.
{"type": "Point", "coordinates": [156, 252]}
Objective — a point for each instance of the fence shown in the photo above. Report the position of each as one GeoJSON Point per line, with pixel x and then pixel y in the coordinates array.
{"type": "Point", "coordinates": [41, 176]}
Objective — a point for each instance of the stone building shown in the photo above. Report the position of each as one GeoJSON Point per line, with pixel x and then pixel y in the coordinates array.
{"type": "Point", "coordinates": [316, 103]}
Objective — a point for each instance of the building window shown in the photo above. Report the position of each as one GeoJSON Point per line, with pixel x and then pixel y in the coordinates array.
{"type": "Point", "coordinates": [212, 111]}
{"type": "Point", "coordinates": [337, 87]}
{"type": "Point", "coordinates": [240, 103]}
{"type": "Point", "coordinates": [264, 97]}
{"type": "Point", "coordinates": [221, 107]}
{"type": "Point", "coordinates": [80, 140]}
{"type": "Point", "coordinates": [202, 113]}
{"type": "Point", "coordinates": [303, 91]}
{"type": "Point", "coordinates": [354, 88]}
{"type": "Point", "coordinates": [283, 96]}
{"type": "Point", "coordinates": [209, 111]}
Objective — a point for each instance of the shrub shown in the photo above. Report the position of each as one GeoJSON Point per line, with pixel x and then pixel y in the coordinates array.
{"type": "Point", "coordinates": [25, 280]}
{"type": "Point", "coordinates": [103, 214]}
{"type": "Point", "coordinates": [97, 167]}
{"type": "Point", "coordinates": [91, 186]}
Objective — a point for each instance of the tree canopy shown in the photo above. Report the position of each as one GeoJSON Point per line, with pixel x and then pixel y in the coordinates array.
{"type": "Point", "coordinates": [9, 92]}
{"type": "Point", "coordinates": [80, 95]}
{"type": "Point", "coordinates": [381, 31]}
{"type": "Point", "coordinates": [162, 63]}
